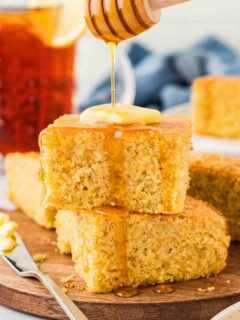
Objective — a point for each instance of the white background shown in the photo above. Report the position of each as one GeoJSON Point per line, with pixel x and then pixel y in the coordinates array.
{"type": "Point", "coordinates": [180, 26]}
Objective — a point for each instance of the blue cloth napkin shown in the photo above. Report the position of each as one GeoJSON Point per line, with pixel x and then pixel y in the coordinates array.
{"type": "Point", "coordinates": [164, 80]}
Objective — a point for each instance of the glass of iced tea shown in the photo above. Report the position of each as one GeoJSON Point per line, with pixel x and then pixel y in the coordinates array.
{"type": "Point", "coordinates": [36, 79]}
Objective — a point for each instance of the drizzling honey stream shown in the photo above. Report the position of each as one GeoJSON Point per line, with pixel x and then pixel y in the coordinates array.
{"type": "Point", "coordinates": [112, 54]}
{"type": "Point", "coordinates": [114, 21]}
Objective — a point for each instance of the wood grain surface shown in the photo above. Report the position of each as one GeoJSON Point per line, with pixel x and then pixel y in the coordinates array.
{"type": "Point", "coordinates": [185, 303]}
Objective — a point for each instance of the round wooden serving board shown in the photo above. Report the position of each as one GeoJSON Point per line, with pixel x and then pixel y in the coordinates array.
{"type": "Point", "coordinates": [185, 303]}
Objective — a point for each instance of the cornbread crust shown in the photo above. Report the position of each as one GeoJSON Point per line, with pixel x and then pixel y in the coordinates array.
{"type": "Point", "coordinates": [216, 106]}
{"type": "Point", "coordinates": [216, 179]}
{"type": "Point", "coordinates": [141, 168]}
{"type": "Point", "coordinates": [25, 188]}
{"type": "Point", "coordinates": [112, 248]}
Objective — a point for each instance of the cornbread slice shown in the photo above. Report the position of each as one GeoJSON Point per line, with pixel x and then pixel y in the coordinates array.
{"type": "Point", "coordinates": [216, 106]}
{"type": "Point", "coordinates": [112, 248]}
{"type": "Point", "coordinates": [140, 168]}
{"type": "Point", "coordinates": [25, 188]}
{"type": "Point", "coordinates": [216, 179]}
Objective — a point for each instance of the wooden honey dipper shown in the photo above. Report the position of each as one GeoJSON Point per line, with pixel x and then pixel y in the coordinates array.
{"type": "Point", "coordinates": [117, 20]}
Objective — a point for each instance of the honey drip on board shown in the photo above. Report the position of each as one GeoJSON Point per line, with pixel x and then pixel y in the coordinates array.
{"type": "Point", "coordinates": [126, 292]}
{"type": "Point", "coordinates": [112, 54]}
{"type": "Point", "coordinates": [163, 289]}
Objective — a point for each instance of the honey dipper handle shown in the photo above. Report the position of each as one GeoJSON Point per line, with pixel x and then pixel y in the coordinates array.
{"type": "Point", "coordinates": [159, 4]}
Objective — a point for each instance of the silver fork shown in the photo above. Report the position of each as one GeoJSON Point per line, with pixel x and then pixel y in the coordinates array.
{"type": "Point", "coordinates": [22, 263]}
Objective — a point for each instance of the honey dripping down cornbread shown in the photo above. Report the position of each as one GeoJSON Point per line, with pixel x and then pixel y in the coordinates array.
{"type": "Point", "coordinates": [216, 179]}
{"type": "Point", "coordinates": [112, 248]}
{"type": "Point", "coordinates": [143, 168]}
{"type": "Point", "coordinates": [216, 106]}
{"type": "Point", "coordinates": [25, 189]}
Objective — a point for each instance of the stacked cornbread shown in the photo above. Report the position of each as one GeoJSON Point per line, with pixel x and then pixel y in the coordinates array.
{"type": "Point", "coordinates": [119, 182]}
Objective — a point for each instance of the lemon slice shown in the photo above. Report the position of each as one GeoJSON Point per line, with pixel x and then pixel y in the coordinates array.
{"type": "Point", "coordinates": [59, 23]}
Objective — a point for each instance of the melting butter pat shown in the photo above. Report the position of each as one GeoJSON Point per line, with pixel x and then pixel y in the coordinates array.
{"type": "Point", "coordinates": [7, 229]}
{"type": "Point", "coordinates": [125, 114]}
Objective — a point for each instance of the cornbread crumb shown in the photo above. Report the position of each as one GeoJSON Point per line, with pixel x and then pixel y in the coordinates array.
{"type": "Point", "coordinates": [144, 169]}
{"type": "Point", "coordinates": [208, 289]}
{"type": "Point", "coordinates": [67, 278]}
{"type": "Point", "coordinates": [216, 106]}
{"type": "Point", "coordinates": [7, 229]}
{"type": "Point", "coordinates": [80, 288]}
{"type": "Point", "coordinates": [25, 189]}
{"type": "Point", "coordinates": [7, 244]}
{"type": "Point", "coordinates": [112, 248]}
{"type": "Point", "coordinates": [69, 285]}
{"type": "Point", "coordinates": [39, 257]}
{"type": "Point", "coordinates": [216, 179]}
{"type": "Point", "coordinates": [228, 281]}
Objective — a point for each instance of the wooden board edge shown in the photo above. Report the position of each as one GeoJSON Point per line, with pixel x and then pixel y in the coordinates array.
{"type": "Point", "coordinates": [48, 308]}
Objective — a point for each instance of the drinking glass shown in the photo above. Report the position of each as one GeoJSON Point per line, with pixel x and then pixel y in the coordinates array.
{"type": "Point", "coordinates": [36, 80]}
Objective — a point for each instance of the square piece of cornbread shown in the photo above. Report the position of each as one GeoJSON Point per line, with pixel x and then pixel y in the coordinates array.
{"type": "Point", "coordinates": [25, 189]}
{"type": "Point", "coordinates": [112, 248]}
{"type": "Point", "coordinates": [140, 168]}
{"type": "Point", "coordinates": [216, 179]}
{"type": "Point", "coordinates": [216, 106]}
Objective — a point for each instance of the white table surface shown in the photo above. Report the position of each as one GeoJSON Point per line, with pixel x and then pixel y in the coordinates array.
{"type": "Point", "coordinates": [10, 314]}
{"type": "Point", "coordinates": [7, 313]}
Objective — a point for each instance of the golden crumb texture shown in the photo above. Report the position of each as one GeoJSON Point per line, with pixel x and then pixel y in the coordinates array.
{"type": "Point", "coordinates": [216, 179]}
{"type": "Point", "coordinates": [25, 189]}
{"type": "Point", "coordinates": [141, 168]}
{"type": "Point", "coordinates": [216, 106]}
{"type": "Point", "coordinates": [112, 248]}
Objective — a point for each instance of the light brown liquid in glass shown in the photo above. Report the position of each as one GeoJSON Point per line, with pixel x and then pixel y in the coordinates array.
{"type": "Point", "coordinates": [36, 82]}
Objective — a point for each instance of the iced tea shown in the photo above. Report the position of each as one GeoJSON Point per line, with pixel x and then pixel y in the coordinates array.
{"type": "Point", "coordinates": [36, 81]}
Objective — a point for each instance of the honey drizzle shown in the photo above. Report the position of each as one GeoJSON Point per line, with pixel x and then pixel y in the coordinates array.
{"type": "Point", "coordinates": [113, 146]}
{"type": "Point", "coordinates": [114, 150]}
{"type": "Point", "coordinates": [112, 54]}
{"type": "Point", "coordinates": [121, 249]}
{"type": "Point", "coordinates": [119, 218]}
